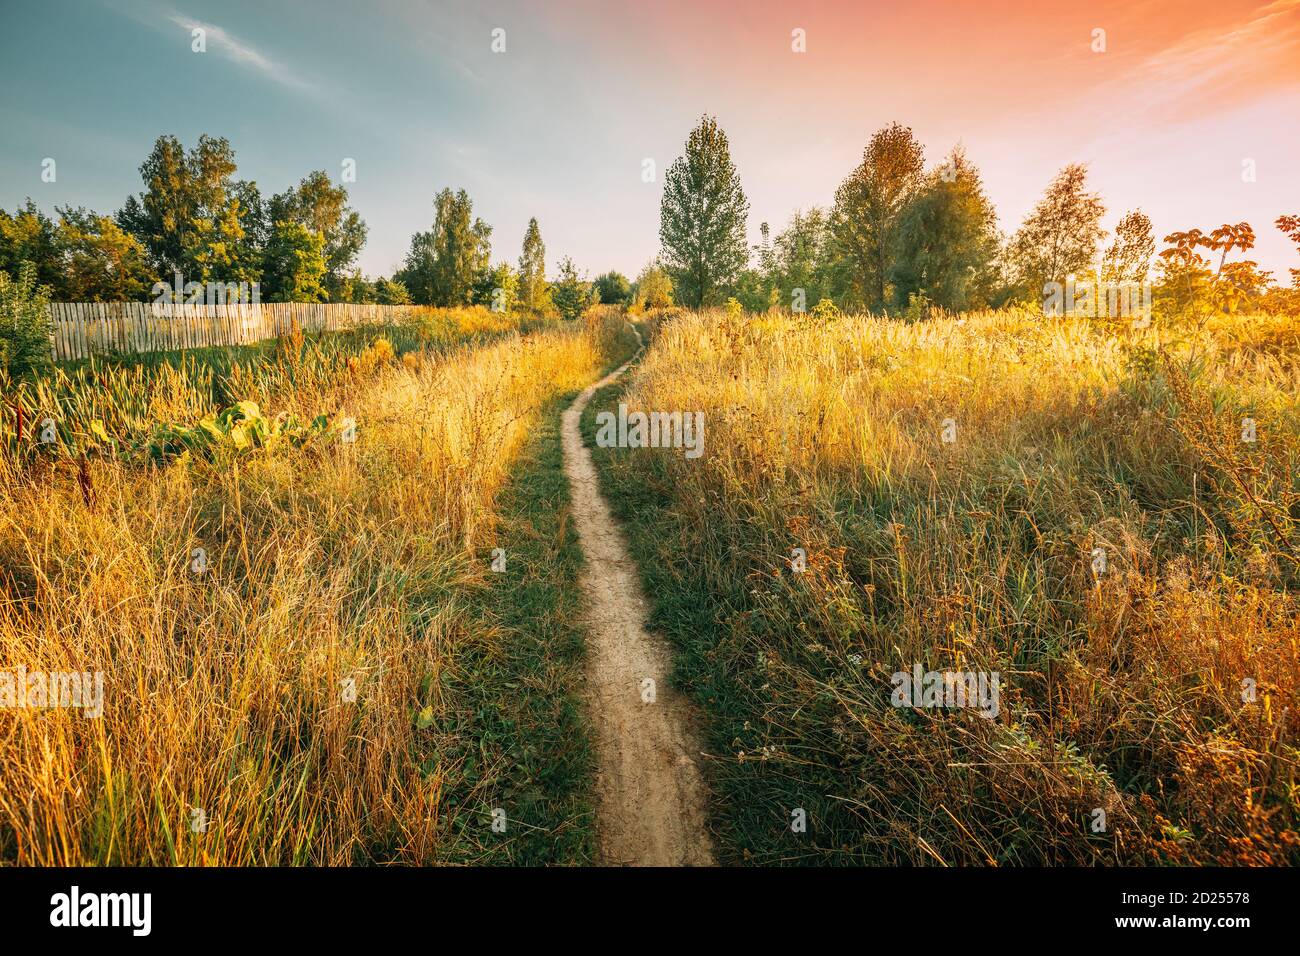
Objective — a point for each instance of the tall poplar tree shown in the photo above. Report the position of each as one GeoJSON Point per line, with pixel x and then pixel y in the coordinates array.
{"type": "Point", "coordinates": [702, 218]}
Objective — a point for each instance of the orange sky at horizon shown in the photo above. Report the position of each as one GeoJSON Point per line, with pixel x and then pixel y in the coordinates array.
{"type": "Point", "coordinates": [1182, 96]}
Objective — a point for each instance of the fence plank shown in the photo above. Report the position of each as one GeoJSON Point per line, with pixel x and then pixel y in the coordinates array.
{"type": "Point", "coordinates": [80, 329]}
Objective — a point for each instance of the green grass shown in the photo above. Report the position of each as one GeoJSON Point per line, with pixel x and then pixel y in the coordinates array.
{"type": "Point", "coordinates": [751, 806]}
{"type": "Point", "coordinates": [524, 721]}
{"type": "Point", "coordinates": [525, 716]}
{"type": "Point", "coordinates": [687, 611]}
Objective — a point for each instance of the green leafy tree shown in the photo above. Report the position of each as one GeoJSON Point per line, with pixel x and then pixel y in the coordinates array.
{"type": "Point", "coordinates": [868, 205]}
{"type": "Point", "coordinates": [295, 264]}
{"type": "Point", "coordinates": [1059, 238]}
{"type": "Point", "coordinates": [946, 243]}
{"type": "Point", "coordinates": [532, 270]}
{"type": "Point", "coordinates": [613, 288]}
{"type": "Point", "coordinates": [754, 292]}
{"type": "Point", "coordinates": [654, 288]}
{"type": "Point", "coordinates": [802, 261]}
{"type": "Point", "coordinates": [101, 261]}
{"type": "Point", "coordinates": [569, 292]}
{"type": "Point", "coordinates": [360, 289]}
{"type": "Point", "coordinates": [217, 248]}
{"type": "Point", "coordinates": [28, 235]}
{"type": "Point", "coordinates": [322, 207]}
{"type": "Point", "coordinates": [25, 343]}
{"type": "Point", "coordinates": [442, 264]}
{"type": "Point", "coordinates": [392, 292]}
{"type": "Point", "coordinates": [497, 288]}
{"type": "Point", "coordinates": [702, 218]}
{"type": "Point", "coordinates": [196, 192]}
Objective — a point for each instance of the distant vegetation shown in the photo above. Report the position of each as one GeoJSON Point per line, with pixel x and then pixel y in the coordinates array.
{"type": "Point", "coordinates": [901, 239]}
{"type": "Point", "coordinates": [196, 220]}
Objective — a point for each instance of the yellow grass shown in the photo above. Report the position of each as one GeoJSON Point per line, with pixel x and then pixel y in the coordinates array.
{"type": "Point", "coordinates": [223, 690]}
{"type": "Point", "coordinates": [1122, 691]}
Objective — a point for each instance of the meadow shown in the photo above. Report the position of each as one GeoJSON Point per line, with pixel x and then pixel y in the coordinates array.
{"type": "Point", "coordinates": [278, 557]}
{"type": "Point", "coordinates": [332, 584]}
{"type": "Point", "coordinates": [1106, 517]}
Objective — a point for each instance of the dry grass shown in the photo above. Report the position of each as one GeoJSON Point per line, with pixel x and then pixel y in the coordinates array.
{"type": "Point", "coordinates": [327, 562]}
{"type": "Point", "coordinates": [1121, 691]}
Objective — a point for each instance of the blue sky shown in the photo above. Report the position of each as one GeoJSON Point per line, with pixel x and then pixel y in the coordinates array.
{"type": "Point", "coordinates": [412, 92]}
{"type": "Point", "coordinates": [558, 125]}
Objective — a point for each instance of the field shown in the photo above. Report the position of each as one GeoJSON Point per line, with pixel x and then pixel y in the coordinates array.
{"type": "Point", "coordinates": [343, 600]}
{"type": "Point", "coordinates": [279, 558]}
{"type": "Point", "coordinates": [1079, 508]}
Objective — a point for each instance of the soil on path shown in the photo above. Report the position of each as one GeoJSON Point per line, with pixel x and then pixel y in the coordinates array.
{"type": "Point", "coordinates": [651, 798]}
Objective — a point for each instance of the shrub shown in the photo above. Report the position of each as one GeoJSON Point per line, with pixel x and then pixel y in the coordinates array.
{"type": "Point", "coordinates": [25, 332]}
{"type": "Point", "coordinates": [825, 310]}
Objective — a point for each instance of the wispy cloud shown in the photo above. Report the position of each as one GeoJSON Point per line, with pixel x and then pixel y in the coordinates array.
{"type": "Point", "coordinates": [1223, 66]}
{"type": "Point", "coordinates": [240, 52]}
{"type": "Point", "coordinates": [218, 39]}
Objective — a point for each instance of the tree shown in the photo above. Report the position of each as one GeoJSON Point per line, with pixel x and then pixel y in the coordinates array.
{"type": "Point", "coordinates": [101, 262]}
{"type": "Point", "coordinates": [24, 323]}
{"type": "Point", "coordinates": [1128, 259]}
{"type": "Point", "coordinates": [1189, 286]}
{"type": "Point", "coordinates": [569, 292]}
{"type": "Point", "coordinates": [443, 263]}
{"type": "Point", "coordinates": [1289, 226]}
{"type": "Point", "coordinates": [867, 208]}
{"type": "Point", "coordinates": [28, 235]}
{"type": "Point", "coordinates": [613, 288]}
{"type": "Point", "coordinates": [295, 264]}
{"type": "Point", "coordinates": [1185, 275]}
{"type": "Point", "coordinates": [654, 288]}
{"type": "Point", "coordinates": [322, 207]}
{"type": "Point", "coordinates": [946, 241]}
{"type": "Point", "coordinates": [217, 248]}
{"type": "Point", "coordinates": [1236, 284]}
{"type": "Point", "coordinates": [1060, 237]}
{"type": "Point", "coordinates": [497, 288]}
{"type": "Point", "coordinates": [801, 261]}
{"type": "Point", "coordinates": [532, 270]}
{"type": "Point", "coordinates": [195, 192]}
{"type": "Point", "coordinates": [360, 289]}
{"type": "Point", "coordinates": [702, 218]}
{"type": "Point", "coordinates": [754, 291]}
{"type": "Point", "coordinates": [391, 292]}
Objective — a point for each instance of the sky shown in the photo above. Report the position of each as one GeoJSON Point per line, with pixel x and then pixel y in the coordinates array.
{"type": "Point", "coordinates": [1172, 107]}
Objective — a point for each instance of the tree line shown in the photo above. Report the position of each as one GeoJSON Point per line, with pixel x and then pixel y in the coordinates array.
{"type": "Point", "coordinates": [901, 238]}
{"type": "Point", "coordinates": [196, 221]}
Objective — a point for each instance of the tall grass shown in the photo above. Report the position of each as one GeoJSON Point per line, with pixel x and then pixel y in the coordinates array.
{"type": "Point", "coordinates": [1128, 691]}
{"type": "Point", "coordinates": [331, 562]}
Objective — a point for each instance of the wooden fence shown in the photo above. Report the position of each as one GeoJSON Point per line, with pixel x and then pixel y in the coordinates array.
{"type": "Point", "coordinates": [83, 328]}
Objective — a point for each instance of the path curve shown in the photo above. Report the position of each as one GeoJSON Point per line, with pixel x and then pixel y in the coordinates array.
{"type": "Point", "coordinates": [651, 798]}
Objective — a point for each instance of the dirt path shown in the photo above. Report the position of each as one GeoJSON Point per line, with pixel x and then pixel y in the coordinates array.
{"type": "Point", "coordinates": [650, 795]}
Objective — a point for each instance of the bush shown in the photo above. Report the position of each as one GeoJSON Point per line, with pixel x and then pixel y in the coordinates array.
{"type": "Point", "coordinates": [570, 294]}
{"type": "Point", "coordinates": [825, 310]}
{"type": "Point", "coordinates": [25, 331]}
